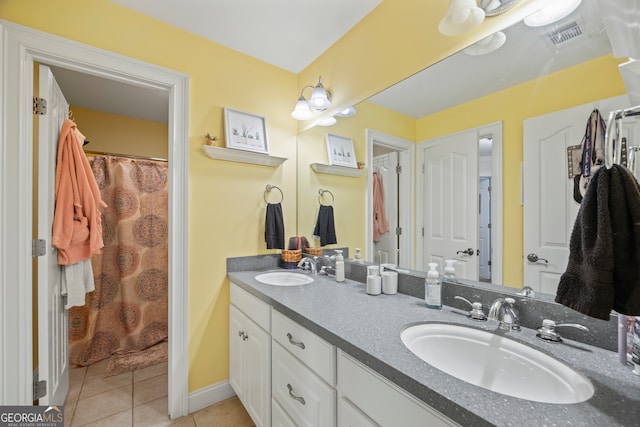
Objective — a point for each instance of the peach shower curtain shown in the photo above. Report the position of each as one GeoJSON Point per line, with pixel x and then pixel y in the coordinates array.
{"type": "Point", "coordinates": [128, 311]}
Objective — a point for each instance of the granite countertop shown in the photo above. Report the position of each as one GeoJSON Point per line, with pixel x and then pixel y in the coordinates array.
{"type": "Point", "coordinates": [368, 328]}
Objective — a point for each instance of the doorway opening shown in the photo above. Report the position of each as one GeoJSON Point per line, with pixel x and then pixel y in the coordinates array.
{"type": "Point", "coordinates": [24, 47]}
{"type": "Point", "coordinates": [391, 169]}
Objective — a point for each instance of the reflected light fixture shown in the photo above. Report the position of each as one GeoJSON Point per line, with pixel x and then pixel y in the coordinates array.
{"type": "Point", "coordinates": [320, 100]}
{"type": "Point", "coordinates": [347, 112]}
{"type": "Point", "coordinates": [487, 44]}
{"type": "Point", "coordinates": [461, 16]}
{"type": "Point", "coordinates": [329, 121]}
{"type": "Point", "coordinates": [552, 13]}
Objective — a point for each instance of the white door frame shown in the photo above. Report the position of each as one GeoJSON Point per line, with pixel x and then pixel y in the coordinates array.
{"type": "Point", "coordinates": [406, 217]}
{"type": "Point", "coordinates": [495, 129]}
{"type": "Point", "coordinates": [21, 47]}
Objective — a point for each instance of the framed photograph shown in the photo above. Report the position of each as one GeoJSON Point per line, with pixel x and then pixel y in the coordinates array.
{"type": "Point", "coordinates": [245, 131]}
{"type": "Point", "coordinates": [340, 151]}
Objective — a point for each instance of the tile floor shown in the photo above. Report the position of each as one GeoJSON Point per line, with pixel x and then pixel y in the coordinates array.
{"type": "Point", "coordinates": [137, 399]}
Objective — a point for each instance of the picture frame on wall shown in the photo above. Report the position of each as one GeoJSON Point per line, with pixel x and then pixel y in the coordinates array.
{"type": "Point", "coordinates": [245, 131]}
{"type": "Point", "coordinates": [340, 151]}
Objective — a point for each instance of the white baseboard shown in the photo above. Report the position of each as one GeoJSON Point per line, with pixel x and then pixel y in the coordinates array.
{"type": "Point", "coordinates": [207, 396]}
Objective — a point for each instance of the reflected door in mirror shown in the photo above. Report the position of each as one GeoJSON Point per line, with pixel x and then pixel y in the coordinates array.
{"type": "Point", "coordinates": [451, 202]}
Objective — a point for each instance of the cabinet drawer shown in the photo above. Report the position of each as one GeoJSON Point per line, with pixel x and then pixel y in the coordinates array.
{"type": "Point", "coordinates": [350, 416]}
{"type": "Point", "coordinates": [312, 350]}
{"type": "Point", "coordinates": [382, 401]}
{"type": "Point", "coordinates": [257, 310]}
{"type": "Point", "coordinates": [279, 417]}
{"type": "Point", "coordinates": [307, 399]}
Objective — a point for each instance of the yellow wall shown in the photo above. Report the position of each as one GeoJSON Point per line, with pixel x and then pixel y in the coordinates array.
{"type": "Point", "coordinates": [349, 192]}
{"type": "Point", "coordinates": [226, 209]}
{"type": "Point", "coordinates": [581, 84]}
{"type": "Point", "coordinates": [118, 134]}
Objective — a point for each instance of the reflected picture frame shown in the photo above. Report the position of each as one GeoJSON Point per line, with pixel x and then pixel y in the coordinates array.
{"type": "Point", "coordinates": [245, 131]}
{"type": "Point", "coordinates": [340, 151]}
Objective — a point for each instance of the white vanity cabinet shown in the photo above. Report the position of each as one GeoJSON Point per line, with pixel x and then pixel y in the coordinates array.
{"type": "Point", "coordinates": [250, 354]}
{"type": "Point", "coordinates": [303, 374]}
{"type": "Point", "coordinates": [383, 402]}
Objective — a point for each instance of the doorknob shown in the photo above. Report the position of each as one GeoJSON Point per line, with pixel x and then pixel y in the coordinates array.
{"type": "Point", "coordinates": [535, 258]}
{"type": "Point", "coordinates": [469, 252]}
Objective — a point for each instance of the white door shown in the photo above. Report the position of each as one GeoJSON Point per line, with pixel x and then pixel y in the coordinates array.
{"type": "Point", "coordinates": [484, 229]}
{"type": "Point", "coordinates": [451, 203]}
{"type": "Point", "coordinates": [53, 360]}
{"type": "Point", "coordinates": [385, 165]}
{"type": "Point", "coordinates": [549, 207]}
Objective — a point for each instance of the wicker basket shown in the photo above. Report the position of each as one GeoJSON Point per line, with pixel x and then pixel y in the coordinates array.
{"type": "Point", "coordinates": [291, 255]}
{"type": "Point", "coordinates": [313, 251]}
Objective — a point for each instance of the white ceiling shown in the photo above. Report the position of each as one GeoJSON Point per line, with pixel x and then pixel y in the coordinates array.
{"type": "Point", "coordinates": [278, 32]}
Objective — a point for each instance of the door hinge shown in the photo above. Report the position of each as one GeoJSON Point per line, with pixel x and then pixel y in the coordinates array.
{"type": "Point", "coordinates": [489, 262]}
{"type": "Point", "coordinates": [423, 168]}
{"type": "Point", "coordinates": [39, 387]}
{"type": "Point", "coordinates": [39, 106]}
{"type": "Point", "coordinates": [489, 189]}
{"type": "Point", "coordinates": [489, 225]}
{"type": "Point", "coordinates": [422, 231]}
{"type": "Point", "coordinates": [38, 247]}
{"type": "Point", "coordinates": [398, 231]}
{"type": "Point", "coordinates": [398, 169]}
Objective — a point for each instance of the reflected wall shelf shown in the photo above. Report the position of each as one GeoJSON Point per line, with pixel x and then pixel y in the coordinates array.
{"type": "Point", "coordinates": [337, 170]}
{"type": "Point", "coordinates": [232, 155]}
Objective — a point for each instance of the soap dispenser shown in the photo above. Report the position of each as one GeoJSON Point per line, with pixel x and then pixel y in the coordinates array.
{"type": "Point", "coordinates": [339, 266]}
{"type": "Point", "coordinates": [450, 270]}
{"type": "Point", "coordinates": [433, 287]}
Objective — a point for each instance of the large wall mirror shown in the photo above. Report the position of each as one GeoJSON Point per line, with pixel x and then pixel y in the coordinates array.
{"type": "Point", "coordinates": [469, 112]}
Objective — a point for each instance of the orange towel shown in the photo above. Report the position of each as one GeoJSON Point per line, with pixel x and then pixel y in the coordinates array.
{"type": "Point", "coordinates": [77, 226]}
{"type": "Point", "coordinates": [380, 223]}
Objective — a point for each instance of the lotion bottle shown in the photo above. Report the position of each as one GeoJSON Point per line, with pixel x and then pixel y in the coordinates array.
{"type": "Point", "coordinates": [433, 287]}
{"type": "Point", "coordinates": [339, 266]}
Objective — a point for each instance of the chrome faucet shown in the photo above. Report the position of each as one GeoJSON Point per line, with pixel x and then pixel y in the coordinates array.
{"type": "Point", "coordinates": [548, 330]}
{"type": "Point", "coordinates": [312, 264]}
{"type": "Point", "coordinates": [504, 311]}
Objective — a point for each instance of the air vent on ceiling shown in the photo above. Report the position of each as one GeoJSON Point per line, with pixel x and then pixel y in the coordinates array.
{"type": "Point", "coordinates": [564, 33]}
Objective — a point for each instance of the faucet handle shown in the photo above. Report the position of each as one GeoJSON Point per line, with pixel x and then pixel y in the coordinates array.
{"type": "Point", "coordinates": [476, 312]}
{"type": "Point", "coordinates": [548, 330]}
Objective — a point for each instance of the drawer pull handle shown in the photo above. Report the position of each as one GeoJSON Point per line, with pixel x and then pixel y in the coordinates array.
{"type": "Point", "coordinates": [296, 343]}
{"type": "Point", "coordinates": [294, 397]}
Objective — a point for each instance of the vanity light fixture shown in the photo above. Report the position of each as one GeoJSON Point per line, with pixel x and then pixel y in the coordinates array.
{"type": "Point", "coordinates": [487, 44]}
{"type": "Point", "coordinates": [347, 112]}
{"type": "Point", "coordinates": [461, 16]}
{"type": "Point", "coordinates": [552, 13]}
{"type": "Point", "coordinates": [320, 100]}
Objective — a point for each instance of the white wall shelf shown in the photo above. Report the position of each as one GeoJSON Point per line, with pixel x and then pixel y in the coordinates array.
{"type": "Point", "coordinates": [232, 155]}
{"type": "Point", "coordinates": [337, 170]}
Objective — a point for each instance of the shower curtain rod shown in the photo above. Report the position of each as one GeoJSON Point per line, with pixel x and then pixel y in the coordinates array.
{"type": "Point", "coordinates": [128, 156]}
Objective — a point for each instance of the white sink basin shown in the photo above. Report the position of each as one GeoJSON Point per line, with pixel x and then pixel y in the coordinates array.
{"type": "Point", "coordinates": [284, 278]}
{"type": "Point", "coordinates": [496, 363]}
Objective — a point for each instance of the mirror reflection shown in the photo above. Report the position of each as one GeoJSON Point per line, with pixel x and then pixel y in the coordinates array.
{"type": "Point", "coordinates": [447, 115]}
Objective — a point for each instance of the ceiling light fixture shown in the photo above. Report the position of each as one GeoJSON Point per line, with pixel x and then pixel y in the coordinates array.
{"type": "Point", "coordinates": [487, 44]}
{"type": "Point", "coordinates": [329, 121]}
{"type": "Point", "coordinates": [347, 112]}
{"type": "Point", "coordinates": [552, 13]}
{"type": "Point", "coordinates": [461, 16]}
{"type": "Point", "coordinates": [320, 100]}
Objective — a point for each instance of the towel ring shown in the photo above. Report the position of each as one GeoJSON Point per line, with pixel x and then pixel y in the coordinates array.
{"type": "Point", "coordinates": [321, 193]}
{"type": "Point", "coordinates": [268, 189]}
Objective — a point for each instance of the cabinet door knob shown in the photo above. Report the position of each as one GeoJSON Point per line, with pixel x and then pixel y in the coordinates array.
{"type": "Point", "coordinates": [294, 397]}
{"type": "Point", "coordinates": [296, 343]}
